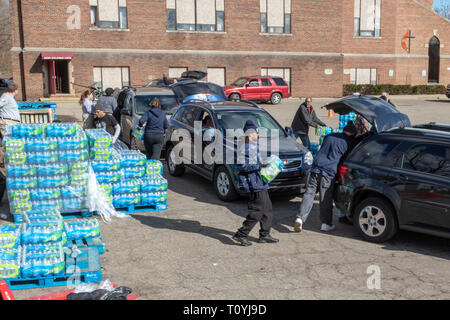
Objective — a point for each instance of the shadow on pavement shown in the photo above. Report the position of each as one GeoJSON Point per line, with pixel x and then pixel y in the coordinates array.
{"type": "Point", "coordinates": [402, 241]}
{"type": "Point", "coordinates": [190, 226]}
{"type": "Point", "coordinates": [443, 100]}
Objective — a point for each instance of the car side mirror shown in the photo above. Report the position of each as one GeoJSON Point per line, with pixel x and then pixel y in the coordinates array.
{"type": "Point", "coordinates": [289, 131]}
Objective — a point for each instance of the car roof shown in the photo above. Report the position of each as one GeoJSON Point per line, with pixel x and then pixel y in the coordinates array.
{"type": "Point", "coordinates": [434, 133]}
{"type": "Point", "coordinates": [226, 105]}
{"type": "Point", "coordinates": [259, 76]}
{"type": "Point", "coordinates": [152, 91]}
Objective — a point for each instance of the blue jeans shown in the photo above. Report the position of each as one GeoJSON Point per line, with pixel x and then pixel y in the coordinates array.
{"type": "Point", "coordinates": [304, 138]}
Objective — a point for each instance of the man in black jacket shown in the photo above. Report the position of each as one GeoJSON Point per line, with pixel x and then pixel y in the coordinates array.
{"type": "Point", "coordinates": [305, 118]}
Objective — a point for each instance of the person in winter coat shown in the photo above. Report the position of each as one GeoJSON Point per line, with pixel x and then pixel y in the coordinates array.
{"type": "Point", "coordinates": [155, 126]}
{"type": "Point", "coordinates": [303, 119]}
{"type": "Point", "coordinates": [107, 101]}
{"type": "Point", "coordinates": [251, 182]}
{"type": "Point", "coordinates": [321, 179]}
{"type": "Point", "coordinates": [87, 106]}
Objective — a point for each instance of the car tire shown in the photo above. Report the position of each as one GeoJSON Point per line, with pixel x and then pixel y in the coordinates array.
{"type": "Point", "coordinates": [235, 96]}
{"type": "Point", "coordinates": [174, 169]}
{"type": "Point", "coordinates": [223, 185]}
{"type": "Point", "coordinates": [375, 220]}
{"type": "Point", "coordinates": [275, 98]}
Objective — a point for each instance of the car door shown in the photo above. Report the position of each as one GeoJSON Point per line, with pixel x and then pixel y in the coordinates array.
{"type": "Point", "coordinates": [252, 90]}
{"type": "Point", "coordinates": [424, 182]}
{"type": "Point", "coordinates": [206, 166]}
{"type": "Point", "coordinates": [266, 89]}
{"type": "Point", "coordinates": [186, 119]}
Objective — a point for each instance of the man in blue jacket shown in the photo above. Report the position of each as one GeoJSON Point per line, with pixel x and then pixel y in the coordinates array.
{"type": "Point", "coordinates": [321, 179]}
{"type": "Point", "coordinates": [251, 182]}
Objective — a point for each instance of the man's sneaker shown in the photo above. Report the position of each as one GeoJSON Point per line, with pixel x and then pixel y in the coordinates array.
{"type": "Point", "coordinates": [243, 241]}
{"type": "Point", "coordinates": [268, 239]}
{"type": "Point", "coordinates": [344, 220]}
{"type": "Point", "coordinates": [298, 225]}
{"type": "Point", "coordinates": [325, 227]}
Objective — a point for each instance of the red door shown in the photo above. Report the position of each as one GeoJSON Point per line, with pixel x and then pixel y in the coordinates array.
{"type": "Point", "coordinates": [51, 76]}
{"type": "Point", "coordinates": [266, 89]}
{"type": "Point", "coordinates": [252, 90]}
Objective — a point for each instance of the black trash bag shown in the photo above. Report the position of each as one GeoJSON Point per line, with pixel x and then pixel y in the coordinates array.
{"type": "Point", "coordinates": [119, 293]}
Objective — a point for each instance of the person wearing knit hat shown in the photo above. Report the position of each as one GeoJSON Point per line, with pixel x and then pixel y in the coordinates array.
{"type": "Point", "coordinates": [322, 177]}
{"type": "Point", "coordinates": [250, 182]}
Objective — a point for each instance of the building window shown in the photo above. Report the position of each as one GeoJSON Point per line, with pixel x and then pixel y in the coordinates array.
{"type": "Point", "coordinates": [175, 72]}
{"type": "Point", "coordinates": [196, 15]}
{"type": "Point", "coordinates": [111, 77]}
{"type": "Point", "coordinates": [109, 14]}
{"type": "Point", "coordinates": [367, 18]}
{"type": "Point", "coordinates": [275, 16]}
{"type": "Point", "coordinates": [216, 75]}
{"type": "Point", "coordinates": [363, 76]}
{"type": "Point", "coordinates": [284, 73]}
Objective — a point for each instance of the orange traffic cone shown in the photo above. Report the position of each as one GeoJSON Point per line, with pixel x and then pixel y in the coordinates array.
{"type": "Point", "coordinates": [330, 113]}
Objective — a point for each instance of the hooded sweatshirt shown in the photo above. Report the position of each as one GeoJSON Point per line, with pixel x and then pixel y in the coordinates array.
{"type": "Point", "coordinates": [156, 121]}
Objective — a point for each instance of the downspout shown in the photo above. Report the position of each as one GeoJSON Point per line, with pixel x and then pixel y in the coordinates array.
{"type": "Point", "coordinates": [22, 46]}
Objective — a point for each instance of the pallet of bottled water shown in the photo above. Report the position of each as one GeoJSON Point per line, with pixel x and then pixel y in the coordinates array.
{"type": "Point", "coordinates": [47, 168]}
{"type": "Point", "coordinates": [132, 183]}
{"type": "Point", "coordinates": [345, 118]}
{"type": "Point", "coordinates": [38, 254]}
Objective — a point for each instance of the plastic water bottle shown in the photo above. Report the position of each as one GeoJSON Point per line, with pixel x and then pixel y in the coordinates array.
{"type": "Point", "coordinates": [13, 145]}
{"type": "Point", "coordinates": [16, 158]}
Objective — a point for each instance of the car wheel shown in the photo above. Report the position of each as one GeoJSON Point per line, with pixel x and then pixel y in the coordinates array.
{"type": "Point", "coordinates": [223, 185]}
{"type": "Point", "coordinates": [175, 170]}
{"type": "Point", "coordinates": [235, 96]}
{"type": "Point", "coordinates": [276, 98]}
{"type": "Point", "coordinates": [375, 220]}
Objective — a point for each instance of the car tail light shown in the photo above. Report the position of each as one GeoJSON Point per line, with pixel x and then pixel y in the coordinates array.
{"type": "Point", "coordinates": [342, 170]}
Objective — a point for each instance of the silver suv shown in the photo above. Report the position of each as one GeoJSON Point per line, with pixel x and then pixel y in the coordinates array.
{"type": "Point", "coordinates": [134, 102]}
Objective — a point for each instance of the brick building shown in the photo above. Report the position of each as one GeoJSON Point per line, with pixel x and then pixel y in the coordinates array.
{"type": "Point", "coordinates": [317, 46]}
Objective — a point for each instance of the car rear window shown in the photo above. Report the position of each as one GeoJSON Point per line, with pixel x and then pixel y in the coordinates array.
{"type": "Point", "coordinates": [428, 158]}
{"type": "Point", "coordinates": [279, 81]}
{"type": "Point", "coordinates": [169, 103]}
{"type": "Point", "coordinates": [382, 152]}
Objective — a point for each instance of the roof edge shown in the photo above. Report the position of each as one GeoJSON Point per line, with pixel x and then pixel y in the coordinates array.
{"type": "Point", "coordinates": [431, 10]}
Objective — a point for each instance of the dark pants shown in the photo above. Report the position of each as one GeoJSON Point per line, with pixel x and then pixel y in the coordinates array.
{"type": "Point", "coordinates": [153, 145]}
{"type": "Point", "coordinates": [2, 186]}
{"type": "Point", "coordinates": [325, 187]}
{"type": "Point", "coordinates": [259, 210]}
{"type": "Point", "coordinates": [304, 138]}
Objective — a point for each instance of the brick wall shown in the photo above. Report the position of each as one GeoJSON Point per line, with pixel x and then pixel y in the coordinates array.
{"type": "Point", "coordinates": [320, 27]}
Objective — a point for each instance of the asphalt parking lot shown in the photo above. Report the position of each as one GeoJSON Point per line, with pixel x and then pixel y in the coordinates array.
{"type": "Point", "coordinates": [186, 252]}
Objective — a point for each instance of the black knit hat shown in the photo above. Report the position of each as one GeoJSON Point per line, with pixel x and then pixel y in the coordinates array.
{"type": "Point", "coordinates": [350, 128]}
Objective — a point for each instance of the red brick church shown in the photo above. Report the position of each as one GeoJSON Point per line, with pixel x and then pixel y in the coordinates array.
{"type": "Point", "coordinates": [317, 46]}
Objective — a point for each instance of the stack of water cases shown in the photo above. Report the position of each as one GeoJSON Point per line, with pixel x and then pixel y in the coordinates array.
{"type": "Point", "coordinates": [46, 168]}
{"type": "Point", "coordinates": [126, 176]}
{"type": "Point", "coordinates": [344, 119]}
{"type": "Point", "coordinates": [32, 250]}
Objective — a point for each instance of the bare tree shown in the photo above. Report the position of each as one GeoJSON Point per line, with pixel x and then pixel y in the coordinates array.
{"type": "Point", "coordinates": [5, 40]}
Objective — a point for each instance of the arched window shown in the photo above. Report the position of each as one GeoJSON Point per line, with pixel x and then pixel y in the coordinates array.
{"type": "Point", "coordinates": [433, 60]}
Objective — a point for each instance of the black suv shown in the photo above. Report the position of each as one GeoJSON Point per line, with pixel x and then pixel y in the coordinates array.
{"type": "Point", "coordinates": [233, 115]}
{"type": "Point", "coordinates": [398, 179]}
